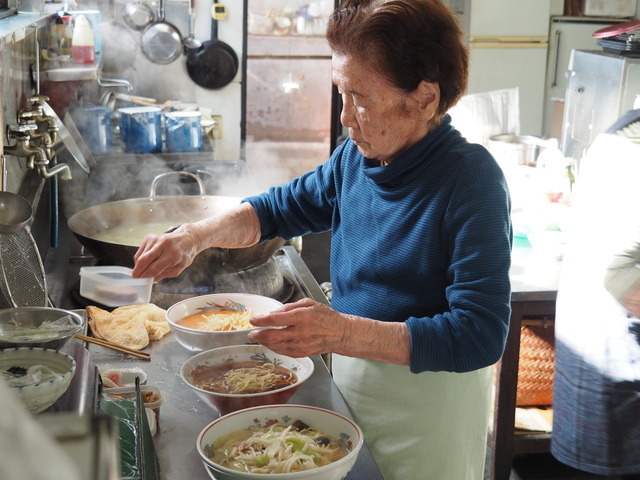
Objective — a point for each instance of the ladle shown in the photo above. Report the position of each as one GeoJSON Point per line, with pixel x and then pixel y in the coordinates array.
{"type": "Point", "coordinates": [190, 42]}
{"type": "Point", "coordinates": [15, 212]}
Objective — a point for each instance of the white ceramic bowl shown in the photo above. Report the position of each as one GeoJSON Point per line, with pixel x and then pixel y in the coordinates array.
{"type": "Point", "coordinates": [331, 423]}
{"type": "Point", "coordinates": [199, 340]}
{"type": "Point", "coordinates": [40, 396]}
{"type": "Point", "coordinates": [226, 403]}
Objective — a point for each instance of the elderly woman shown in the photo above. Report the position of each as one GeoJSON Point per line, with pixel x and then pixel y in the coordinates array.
{"type": "Point", "coordinates": [420, 253]}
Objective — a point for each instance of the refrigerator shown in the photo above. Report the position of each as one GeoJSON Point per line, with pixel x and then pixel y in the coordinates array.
{"type": "Point", "coordinates": [565, 35]}
{"type": "Point", "coordinates": [508, 42]}
{"type": "Point", "coordinates": [601, 87]}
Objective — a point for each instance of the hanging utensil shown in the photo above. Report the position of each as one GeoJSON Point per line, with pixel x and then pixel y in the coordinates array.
{"type": "Point", "coordinates": [15, 212]}
{"type": "Point", "coordinates": [138, 15]}
{"type": "Point", "coordinates": [215, 64]}
{"type": "Point", "coordinates": [162, 42]}
{"type": "Point", "coordinates": [22, 277]}
{"type": "Point", "coordinates": [191, 43]}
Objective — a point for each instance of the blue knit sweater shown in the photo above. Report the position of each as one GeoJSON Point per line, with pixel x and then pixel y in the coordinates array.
{"type": "Point", "coordinates": [425, 240]}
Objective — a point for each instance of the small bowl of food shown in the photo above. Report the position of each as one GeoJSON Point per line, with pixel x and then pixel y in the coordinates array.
{"type": "Point", "coordinates": [280, 442]}
{"type": "Point", "coordinates": [39, 376]}
{"type": "Point", "coordinates": [121, 377]}
{"type": "Point", "coordinates": [41, 327]}
{"type": "Point", "coordinates": [217, 320]}
{"type": "Point", "coordinates": [241, 376]}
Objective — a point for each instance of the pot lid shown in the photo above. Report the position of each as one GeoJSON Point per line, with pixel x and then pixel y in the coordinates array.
{"type": "Point", "coordinates": [617, 29]}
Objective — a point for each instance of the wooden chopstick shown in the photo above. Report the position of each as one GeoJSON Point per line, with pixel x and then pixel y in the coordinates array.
{"type": "Point", "coordinates": [113, 346]}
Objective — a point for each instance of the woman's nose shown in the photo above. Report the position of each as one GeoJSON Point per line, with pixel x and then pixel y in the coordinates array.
{"type": "Point", "coordinates": [346, 115]}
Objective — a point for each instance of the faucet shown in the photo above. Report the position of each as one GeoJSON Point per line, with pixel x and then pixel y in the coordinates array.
{"type": "Point", "coordinates": [36, 156]}
{"type": "Point", "coordinates": [23, 147]}
{"type": "Point", "coordinates": [61, 168]}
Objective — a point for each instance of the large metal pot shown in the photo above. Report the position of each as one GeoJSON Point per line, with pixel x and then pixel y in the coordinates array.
{"type": "Point", "coordinates": [96, 226]}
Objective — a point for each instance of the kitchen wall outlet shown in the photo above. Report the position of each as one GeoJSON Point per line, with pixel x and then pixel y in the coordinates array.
{"type": "Point", "coordinates": [217, 127]}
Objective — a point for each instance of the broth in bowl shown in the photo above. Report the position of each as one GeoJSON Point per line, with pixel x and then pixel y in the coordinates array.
{"type": "Point", "coordinates": [218, 318]}
{"type": "Point", "coordinates": [277, 448]}
{"type": "Point", "coordinates": [243, 377]}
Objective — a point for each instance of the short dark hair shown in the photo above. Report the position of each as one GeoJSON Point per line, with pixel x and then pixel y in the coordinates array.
{"type": "Point", "coordinates": [406, 41]}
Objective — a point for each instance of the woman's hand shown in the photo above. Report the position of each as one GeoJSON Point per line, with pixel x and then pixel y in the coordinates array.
{"type": "Point", "coordinates": [312, 328]}
{"type": "Point", "coordinates": [165, 255]}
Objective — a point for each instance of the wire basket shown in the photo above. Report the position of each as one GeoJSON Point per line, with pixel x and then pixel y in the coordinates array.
{"type": "Point", "coordinates": [22, 277]}
{"type": "Point", "coordinates": [536, 365]}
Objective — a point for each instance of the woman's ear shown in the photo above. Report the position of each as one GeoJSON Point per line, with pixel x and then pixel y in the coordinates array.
{"type": "Point", "coordinates": [428, 96]}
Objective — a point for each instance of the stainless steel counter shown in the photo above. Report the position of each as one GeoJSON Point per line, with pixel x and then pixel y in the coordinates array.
{"type": "Point", "coordinates": [184, 415]}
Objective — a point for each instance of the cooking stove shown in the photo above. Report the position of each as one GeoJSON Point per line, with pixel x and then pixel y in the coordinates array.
{"type": "Point", "coordinates": [284, 276]}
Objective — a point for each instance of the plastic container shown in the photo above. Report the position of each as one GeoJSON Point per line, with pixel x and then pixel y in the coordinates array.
{"type": "Point", "coordinates": [141, 129]}
{"type": "Point", "coordinates": [114, 286]}
{"type": "Point", "coordinates": [83, 48]}
{"type": "Point", "coordinates": [183, 131]}
{"type": "Point", "coordinates": [152, 396]}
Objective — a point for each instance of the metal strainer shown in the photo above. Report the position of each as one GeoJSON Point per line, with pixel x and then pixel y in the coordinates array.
{"type": "Point", "coordinates": [22, 278]}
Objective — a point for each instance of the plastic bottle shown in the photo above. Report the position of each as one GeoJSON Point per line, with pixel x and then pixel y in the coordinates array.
{"type": "Point", "coordinates": [553, 169]}
{"type": "Point", "coordinates": [83, 49]}
{"type": "Point", "coordinates": [64, 33]}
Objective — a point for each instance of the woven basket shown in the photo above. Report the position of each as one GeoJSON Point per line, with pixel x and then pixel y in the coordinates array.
{"type": "Point", "coordinates": [535, 371]}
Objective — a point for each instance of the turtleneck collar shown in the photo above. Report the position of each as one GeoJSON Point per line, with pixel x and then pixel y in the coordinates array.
{"type": "Point", "coordinates": [425, 151]}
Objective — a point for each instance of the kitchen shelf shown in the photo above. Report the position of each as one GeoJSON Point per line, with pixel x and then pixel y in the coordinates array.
{"type": "Point", "coordinates": [16, 27]}
{"type": "Point", "coordinates": [68, 74]}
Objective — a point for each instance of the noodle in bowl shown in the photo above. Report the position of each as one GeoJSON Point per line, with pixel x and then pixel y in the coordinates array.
{"type": "Point", "coordinates": [226, 323]}
{"type": "Point", "coordinates": [333, 425]}
{"type": "Point", "coordinates": [258, 388]}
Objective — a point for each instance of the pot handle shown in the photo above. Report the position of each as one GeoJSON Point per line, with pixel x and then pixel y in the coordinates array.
{"type": "Point", "coordinates": [157, 178]}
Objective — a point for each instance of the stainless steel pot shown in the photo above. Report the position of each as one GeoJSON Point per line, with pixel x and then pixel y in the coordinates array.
{"type": "Point", "coordinates": [95, 226]}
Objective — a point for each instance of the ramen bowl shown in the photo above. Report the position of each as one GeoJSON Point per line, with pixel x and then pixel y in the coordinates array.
{"type": "Point", "coordinates": [198, 340]}
{"type": "Point", "coordinates": [330, 423]}
{"type": "Point", "coordinates": [41, 327]}
{"type": "Point", "coordinates": [224, 358]}
{"type": "Point", "coordinates": [39, 376]}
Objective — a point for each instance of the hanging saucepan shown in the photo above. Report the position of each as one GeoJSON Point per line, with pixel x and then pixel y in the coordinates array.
{"type": "Point", "coordinates": [161, 42]}
{"type": "Point", "coordinates": [214, 64]}
{"type": "Point", "coordinates": [138, 15]}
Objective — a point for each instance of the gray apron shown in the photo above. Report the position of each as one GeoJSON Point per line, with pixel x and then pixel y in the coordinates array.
{"type": "Point", "coordinates": [430, 426]}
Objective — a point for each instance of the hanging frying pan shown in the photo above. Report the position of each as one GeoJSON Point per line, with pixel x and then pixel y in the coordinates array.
{"type": "Point", "coordinates": [161, 42]}
{"type": "Point", "coordinates": [215, 63]}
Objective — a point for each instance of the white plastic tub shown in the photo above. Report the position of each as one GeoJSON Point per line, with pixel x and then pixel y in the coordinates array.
{"type": "Point", "coordinates": [114, 286]}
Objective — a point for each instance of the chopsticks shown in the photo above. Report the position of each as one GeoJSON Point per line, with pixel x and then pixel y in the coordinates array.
{"type": "Point", "coordinates": [113, 346]}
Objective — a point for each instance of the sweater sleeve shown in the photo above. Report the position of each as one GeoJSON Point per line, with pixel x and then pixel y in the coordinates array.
{"type": "Point", "coordinates": [302, 206]}
{"type": "Point", "coordinates": [472, 332]}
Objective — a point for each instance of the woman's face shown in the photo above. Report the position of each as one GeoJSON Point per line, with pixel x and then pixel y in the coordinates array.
{"type": "Point", "coordinates": [383, 121]}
